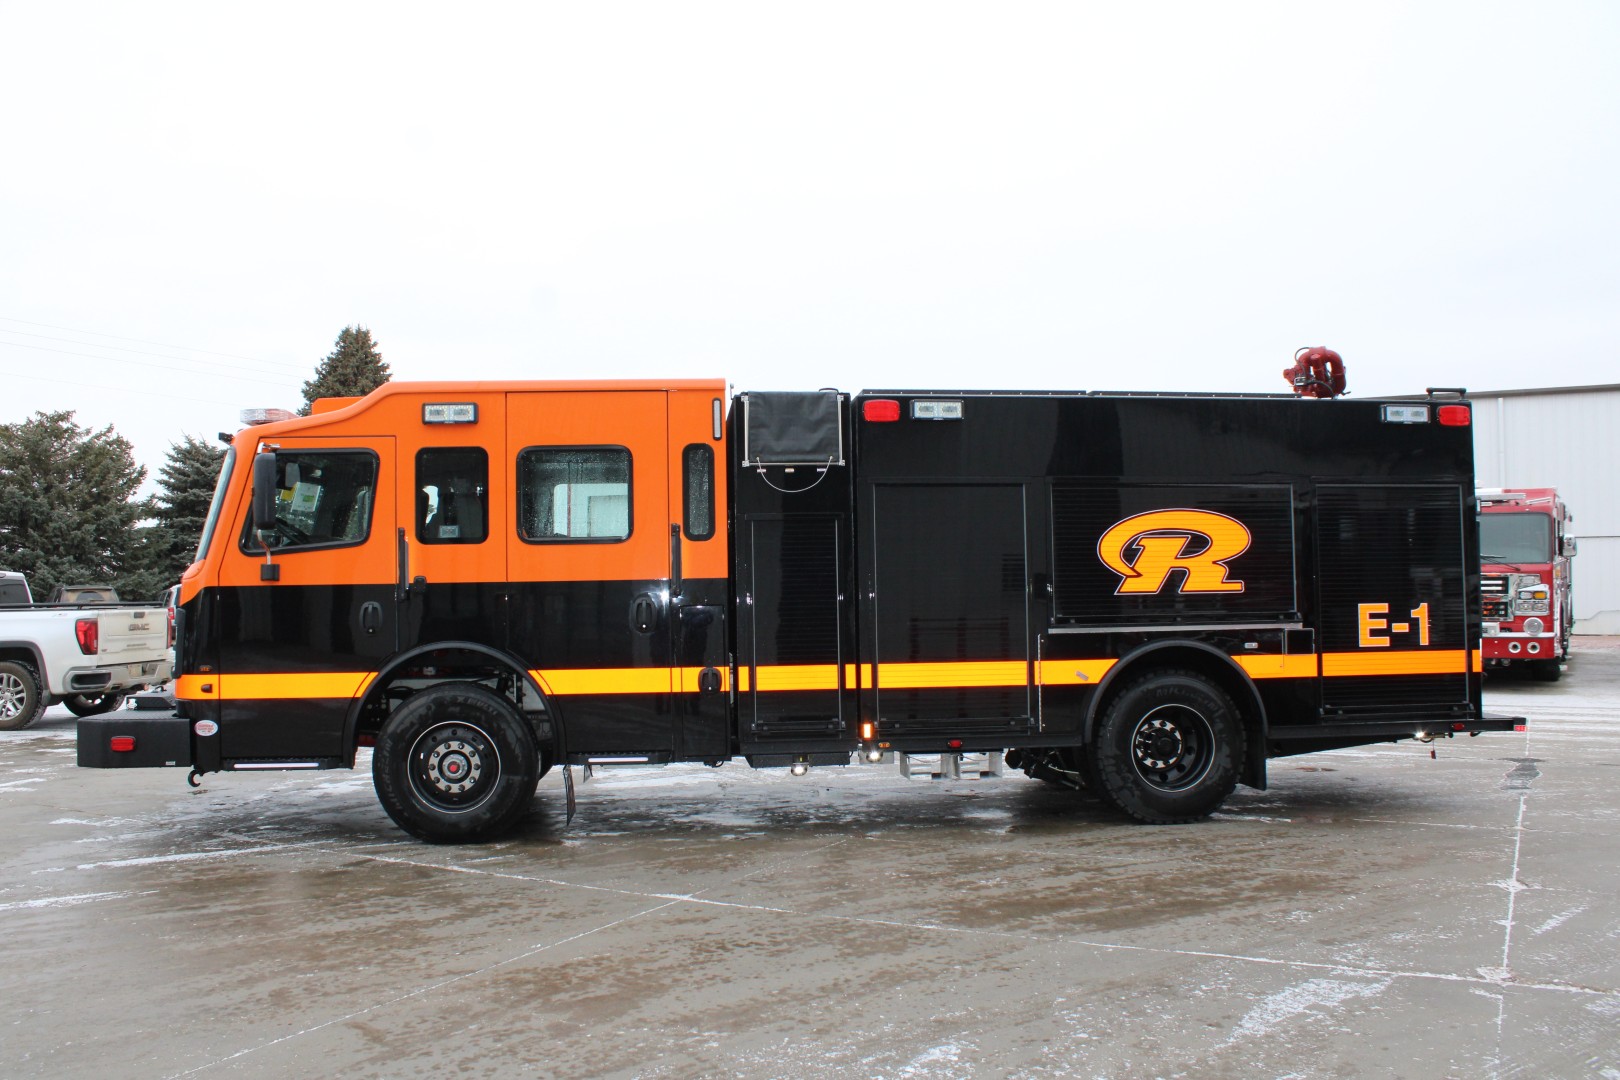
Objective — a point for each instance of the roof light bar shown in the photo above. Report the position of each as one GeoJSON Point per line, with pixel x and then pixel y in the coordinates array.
{"type": "Point", "coordinates": [255, 417]}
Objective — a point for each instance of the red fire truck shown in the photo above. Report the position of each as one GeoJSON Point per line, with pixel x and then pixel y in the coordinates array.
{"type": "Point", "coordinates": [1525, 552]}
{"type": "Point", "coordinates": [1148, 595]}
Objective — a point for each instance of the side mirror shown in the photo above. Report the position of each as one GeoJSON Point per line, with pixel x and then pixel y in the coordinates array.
{"type": "Point", "coordinates": [1567, 549]}
{"type": "Point", "coordinates": [264, 491]}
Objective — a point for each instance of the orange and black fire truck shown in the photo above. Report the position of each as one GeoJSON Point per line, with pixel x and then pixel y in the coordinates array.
{"type": "Point", "coordinates": [1525, 551]}
{"type": "Point", "coordinates": [1148, 595]}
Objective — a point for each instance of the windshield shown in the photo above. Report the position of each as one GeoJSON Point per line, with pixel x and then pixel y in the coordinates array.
{"type": "Point", "coordinates": [219, 501]}
{"type": "Point", "coordinates": [1515, 538]}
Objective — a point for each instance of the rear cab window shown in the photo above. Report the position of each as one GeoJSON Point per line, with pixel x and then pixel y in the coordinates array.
{"type": "Point", "coordinates": [574, 494]}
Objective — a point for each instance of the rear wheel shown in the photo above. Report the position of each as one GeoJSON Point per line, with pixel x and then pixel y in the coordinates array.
{"type": "Point", "coordinates": [21, 701]}
{"type": "Point", "coordinates": [455, 764]}
{"type": "Point", "coordinates": [1168, 749]}
{"type": "Point", "coordinates": [92, 704]}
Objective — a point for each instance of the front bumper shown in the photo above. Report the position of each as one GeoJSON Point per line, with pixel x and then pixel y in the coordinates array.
{"type": "Point", "coordinates": [128, 740]}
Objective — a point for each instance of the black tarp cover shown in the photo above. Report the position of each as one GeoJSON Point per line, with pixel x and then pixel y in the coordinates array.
{"type": "Point", "coordinates": [792, 428]}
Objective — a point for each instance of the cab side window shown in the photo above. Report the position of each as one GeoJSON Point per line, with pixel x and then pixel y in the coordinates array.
{"type": "Point", "coordinates": [323, 500]}
{"type": "Point", "coordinates": [572, 493]}
{"type": "Point", "coordinates": [452, 495]}
{"type": "Point", "coordinates": [697, 483]}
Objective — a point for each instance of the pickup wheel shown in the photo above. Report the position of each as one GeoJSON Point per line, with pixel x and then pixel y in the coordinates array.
{"type": "Point", "coordinates": [92, 704]}
{"type": "Point", "coordinates": [21, 701]}
{"type": "Point", "coordinates": [1168, 749]}
{"type": "Point", "coordinates": [455, 763]}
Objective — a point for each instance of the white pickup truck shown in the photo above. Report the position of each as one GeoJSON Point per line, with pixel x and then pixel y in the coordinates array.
{"type": "Point", "coordinates": [86, 656]}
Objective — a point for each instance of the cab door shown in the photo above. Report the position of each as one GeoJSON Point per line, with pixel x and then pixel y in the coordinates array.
{"type": "Point", "coordinates": [589, 565]}
{"type": "Point", "coordinates": [297, 643]}
{"type": "Point", "coordinates": [456, 519]}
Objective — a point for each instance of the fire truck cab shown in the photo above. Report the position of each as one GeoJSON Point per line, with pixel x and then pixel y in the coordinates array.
{"type": "Point", "coordinates": [1526, 551]}
{"type": "Point", "coordinates": [1146, 595]}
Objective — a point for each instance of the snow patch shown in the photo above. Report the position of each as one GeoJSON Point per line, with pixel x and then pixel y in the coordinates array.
{"type": "Point", "coordinates": [63, 901]}
{"type": "Point", "coordinates": [1298, 1000]}
{"type": "Point", "coordinates": [1557, 920]}
{"type": "Point", "coordinates": [924, 1063]}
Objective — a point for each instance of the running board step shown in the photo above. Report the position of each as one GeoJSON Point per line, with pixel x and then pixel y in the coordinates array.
{"type": "Point", "coordinates": [951, 766]}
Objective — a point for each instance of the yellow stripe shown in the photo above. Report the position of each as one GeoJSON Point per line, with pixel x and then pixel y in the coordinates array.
{"type": "Point", "coordinates": [801, 677]}
{"type": "Point", "coordinates": [281, 686]}
{"type": "Point", "coordinates": [974, 673]}
{"type": "Point", "coordinates": [796, 677]}
{"type": "Point", "coordinates": [566, 681]}
{"type": "Point", "coordinates": [1278, 667]}
{"type": "Point", "coordinates": [1073, 672]}
{"type": "Point", "coordinates": [1431, 662]}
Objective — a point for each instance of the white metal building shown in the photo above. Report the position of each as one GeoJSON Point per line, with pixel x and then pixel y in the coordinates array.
{"type": "Point", "coordinates": [1564, 437]}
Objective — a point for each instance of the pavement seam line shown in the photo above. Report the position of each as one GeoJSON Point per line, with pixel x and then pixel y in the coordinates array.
{"type": "Point", "coordinates": [1307, 965]}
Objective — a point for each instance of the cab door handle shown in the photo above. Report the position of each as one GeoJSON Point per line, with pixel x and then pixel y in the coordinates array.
{"type": "Point", "coordinates": [371, 616]}
{"type": "Point", "coordinates": [644, 615]}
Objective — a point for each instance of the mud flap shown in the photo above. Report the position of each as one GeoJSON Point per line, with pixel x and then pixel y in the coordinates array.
{"type": "Point", "coordinates": [568, 787]}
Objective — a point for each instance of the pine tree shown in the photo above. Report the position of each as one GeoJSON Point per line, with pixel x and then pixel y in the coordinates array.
{"type": "Point", "coordinates": [68, 511]}
{"type": "Point", "coordinates": [186, 483]}
{"type": "Point", "coordinates": [352, 369]}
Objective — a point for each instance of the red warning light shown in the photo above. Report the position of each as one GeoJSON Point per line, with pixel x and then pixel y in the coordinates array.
{"type": "Point", "coordinates": [121, 744]}
{"type": "Point", "coordinates": [880, 411]}
{"type": "Point", "coordinates": [1455, 415]}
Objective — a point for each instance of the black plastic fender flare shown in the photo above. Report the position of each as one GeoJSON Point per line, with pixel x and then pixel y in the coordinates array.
{"type": "Point", "coordinates": [1254, 765]}
{"type": "Point", "coordinates": [351, 723]}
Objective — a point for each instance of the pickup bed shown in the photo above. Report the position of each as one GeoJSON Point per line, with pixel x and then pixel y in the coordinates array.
{"type": "Point", "coordinates": [86, 656]}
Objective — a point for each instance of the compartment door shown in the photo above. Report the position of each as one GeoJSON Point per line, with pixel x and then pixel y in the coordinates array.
{"type": "Point", "coordinates": [950, 619]}
{"type": "Point", "coordinates": [1392, 597]}
{"type": "Point", "coordinates": [789, 633]}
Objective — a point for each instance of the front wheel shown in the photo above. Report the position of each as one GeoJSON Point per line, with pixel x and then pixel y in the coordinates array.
{"type": "Point", "coordinates": [1169, 748]}
{"type": "Point", "coordinates": [21, 698]}
{"type": "Point", "coordinates": [92, 704]}
{"type": "Point", "coordinates": [1545, 670]}
{"type": "Point", "coordinates": [455, 764]}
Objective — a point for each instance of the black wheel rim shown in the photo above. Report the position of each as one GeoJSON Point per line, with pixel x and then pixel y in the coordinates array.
{"type": "Point", "coordinates": [454, 767]}
{"type": "Point", "coordinates": [1172, 747]}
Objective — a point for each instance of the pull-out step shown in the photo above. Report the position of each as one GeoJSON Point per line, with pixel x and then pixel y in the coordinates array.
{"type": "Point", "coordinates": [951, 766]}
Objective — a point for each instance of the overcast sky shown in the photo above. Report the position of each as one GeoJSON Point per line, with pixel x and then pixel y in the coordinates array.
{"type": "Point", "coordinates": [195, 199]}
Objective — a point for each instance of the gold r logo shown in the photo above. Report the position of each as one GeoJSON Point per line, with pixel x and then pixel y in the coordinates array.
{"type": "Point", "coordinates": [1166, 541]}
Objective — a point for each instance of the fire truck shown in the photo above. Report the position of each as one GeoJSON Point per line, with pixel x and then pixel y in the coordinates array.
{"type": "Point", "coordinates": [1144, 595]}
{"type": "Point", "coordinates": [1525, 551]}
